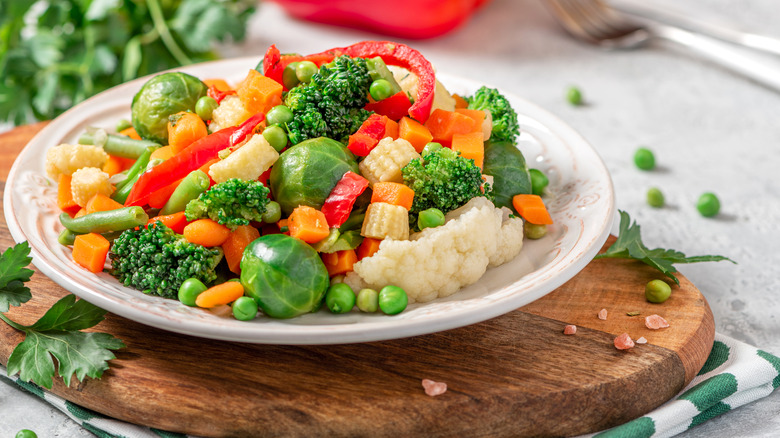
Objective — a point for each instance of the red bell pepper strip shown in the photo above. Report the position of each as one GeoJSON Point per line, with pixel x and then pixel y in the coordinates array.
{"type": "Point", "coordinates": [394, 107]}
{"type": "Point", "coordinates": [217, 94]}
{"type": "Point", "coordinates": [339, 202]}
{"type": "Point", "coordinates": [368, 135]}
{"type": "Point", "coordinates": [390, 52]}
{"type": "Point", "coordinates": [180, 165]}
{"type": "Point", "coordinates": [245, 128]}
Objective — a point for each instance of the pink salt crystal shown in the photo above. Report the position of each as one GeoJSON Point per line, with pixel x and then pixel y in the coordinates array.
{"type": "Point", "coordinates": [623, 342]}
{"type": "Point", "coordinates": [655, 322]}
{"type": "Point", "coordinates": [434, 388]}
{"type": "Point", "coordinates": [570, 329]}
{"type": "Point", "coordinates": [603, 314]}
{"type": "Point", "coordinates": [641, 340]}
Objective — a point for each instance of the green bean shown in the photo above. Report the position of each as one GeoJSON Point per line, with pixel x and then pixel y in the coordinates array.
{"type": "Point", "coordinates": [195, 183]}
{"type": "Point", "coordinates": [137, 168]}
{"type": "Point", "coordinates": [119, 145]}
{"type": "Point", "coordinates": [66, 237]}
{"type": "Point", "coordinates": [125, 187]}
{"type": "Point", "coordinates": [106, 221]}
{"type": "Point", "coordinates": [123, 124]}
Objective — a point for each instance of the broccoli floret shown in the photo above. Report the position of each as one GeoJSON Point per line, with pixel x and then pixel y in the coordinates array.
{"type": "Point", "coordinates": [505, 126]}
{"type": "Point", "coordinates": [155, 260]}
{"type": "Point", "coordinates": [232, 203]}
{"type": "Point", "coordinates": [331, 105]}
{"type": "Point", "coordinates": [444, 180]}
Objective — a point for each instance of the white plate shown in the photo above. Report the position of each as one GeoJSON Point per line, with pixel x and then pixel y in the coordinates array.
{"type": "Point", "coordinates": [580, 200]}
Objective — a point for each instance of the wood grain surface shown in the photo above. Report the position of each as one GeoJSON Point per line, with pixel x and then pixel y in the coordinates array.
{"type": "Point", "coordinates": [514, 375]}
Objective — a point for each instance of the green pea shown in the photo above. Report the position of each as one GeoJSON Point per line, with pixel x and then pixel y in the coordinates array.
{"type": "Point", "coordinates": [123, 124]}
{"type": "Point", "coordinates": [381, 89]}
{"type": "Point", "coordinates": [431, 147]}
{"type": "Point", "coordinates": [655, 198]}
{"type": "Point", "coordinates": [574, 96]}
{"type": "Point", "coordinates": [289, 77]}
{"type": "Point", "coordinates": [339, 298]}
{"type": "Point", "coordinates": [534, 231]}
{"type": "Point", "coordinates": [392, 300]}
{"type": "Point", "coordinates": [245, 308]}
{"type": "Point", "coordinates": [708, 204]}
{"type": "Point", "coordinates": [205, 107]}
{"type": "Point", "coordinates": [26, 433]}
{"type": "Point", "coordinates": [657, 291]}
{"type": "Point", "coordinates": [368, 300]}
{"type": "Point", "coordinates": [189, 291]}
{"type": "Point", "coordinates": [430, 218]}
{"type": "Point", "coordinates": [539, 181]}
{"type": "Point", "coordinates": [276, 137]}
{"type": "Point", "coordinates": [305, 70]}
{"type": "Point", "coordinates": [644, 159]}
{"type": "Point", "coordinates": [279, 115]}
{"type": "Point", "coordinates": [273, 212]}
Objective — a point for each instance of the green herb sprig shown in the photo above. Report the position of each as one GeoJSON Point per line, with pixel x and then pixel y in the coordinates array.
{"type": "Point", "coordinates": [54, 54]}
{"type": "Point", "coordinates": [629, 246]}
{"type": "Point", "coordinates": [57, 334]}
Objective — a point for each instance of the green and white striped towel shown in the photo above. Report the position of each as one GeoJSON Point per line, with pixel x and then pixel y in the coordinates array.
{"type": "Point", "coordinates": [735, 374]}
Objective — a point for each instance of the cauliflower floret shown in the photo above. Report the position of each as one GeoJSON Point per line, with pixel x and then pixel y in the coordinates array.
{"type": "Point", "coordinates": [230, 112]}
{"type": "Point", "coordinates": [385, 161]}
{"type": "Point", "coordinates": [247, 162]}
{"type": "Point", "coordinates": [437, 261]}
{"type": "Point", "coordinates": [68, 158]}
{"type": "Point", "coordinates": [87, 182]}
{"type": "Point", "coordinates": [510, 239]}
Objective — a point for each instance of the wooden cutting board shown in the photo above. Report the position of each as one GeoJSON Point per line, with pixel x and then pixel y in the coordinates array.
{"type": "Point", "coordinates": [514, 375]}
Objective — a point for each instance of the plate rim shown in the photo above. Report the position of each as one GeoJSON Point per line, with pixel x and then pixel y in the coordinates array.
{"type": "Point", "coordinates": [343, 333]}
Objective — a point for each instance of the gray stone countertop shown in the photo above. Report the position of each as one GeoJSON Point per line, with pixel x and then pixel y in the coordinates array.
{"type": "Point", "coordinates": [711, 130]}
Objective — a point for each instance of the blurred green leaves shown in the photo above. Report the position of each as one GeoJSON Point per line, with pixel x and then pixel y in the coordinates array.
{"type": "Point", "coordinates": [56, 53]}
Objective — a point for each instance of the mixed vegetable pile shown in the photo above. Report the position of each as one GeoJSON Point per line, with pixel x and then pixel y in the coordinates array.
{"type": "Point", "coordinates": [350, 178]}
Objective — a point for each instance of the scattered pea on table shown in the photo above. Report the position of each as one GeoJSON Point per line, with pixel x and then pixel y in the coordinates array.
{"type": "Point", "coordinates": [708, 204]}
{"type": "Point", "coordinates": [644, 159]}
{"type": "Point", "coordinates": [657, 291]}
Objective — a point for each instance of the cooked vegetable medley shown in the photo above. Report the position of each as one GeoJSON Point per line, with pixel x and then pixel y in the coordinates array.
{"type": "Point", "coordinates": [348, 180]}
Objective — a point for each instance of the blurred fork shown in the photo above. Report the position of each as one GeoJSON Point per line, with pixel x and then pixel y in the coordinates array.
{"type": "Point", "coordinates": [593, 21]}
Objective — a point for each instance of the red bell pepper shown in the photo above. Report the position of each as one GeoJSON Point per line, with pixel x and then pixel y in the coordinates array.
{"type": "Point", "coordinates": [394, 107]}
{"type": "Point", "coordinates": [217, 94]}
{"type": "Point", "coordinates": [403, 18]}
{"type": "Point", "coordinates": [391, 53]}
{"type": "Point", "coordinates": [339, 202]}
{"type": "Point", "coordinates": [177, 167]}
{"type": "Point", "coordinates": [245, 128]}
{"type": "Point", "coordinates": [368, 135]}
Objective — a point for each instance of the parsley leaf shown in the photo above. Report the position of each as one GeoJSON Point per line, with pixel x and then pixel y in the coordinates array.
{"type": "Point", "coordinates": [58, 53]}
{"type": "Point", "coordinates": [13, 274]}
{"type": "Point", "coordinates": [56, 334]}
{"type": "Point", "coordinates": [629, 246]}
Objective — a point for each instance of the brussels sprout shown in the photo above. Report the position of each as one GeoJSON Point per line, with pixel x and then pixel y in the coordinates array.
{"type": "Point", "coordinates": [161, 96]}
{"type": "Point", "coordinates": [506, 164]}
{"type": "Point", "coordinates": [284, 275]}
{"type": "Point", "coordinates": [306, 173]}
